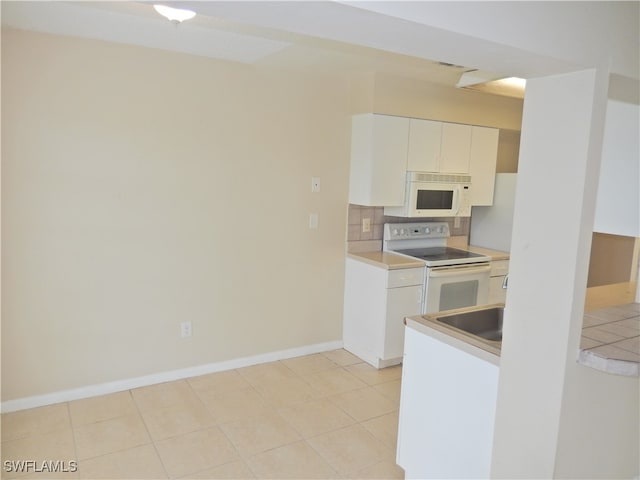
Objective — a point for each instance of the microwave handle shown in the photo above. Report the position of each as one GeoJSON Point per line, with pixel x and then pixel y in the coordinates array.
{"type": "Point", "coordinates": [457, 271]}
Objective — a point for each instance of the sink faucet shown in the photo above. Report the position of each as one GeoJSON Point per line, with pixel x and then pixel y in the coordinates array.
{"type": "Point", "coordinates": [505, 282]}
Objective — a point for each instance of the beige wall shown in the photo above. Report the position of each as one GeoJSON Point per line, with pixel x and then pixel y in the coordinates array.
{"type": "Point", "coordinates": [508, 151]}
{"type": "Point", "coordinates": [614, 259]}
{"type": "Point", "coordinates": [126, 173]}
{"type": "Point", "coordinates": [414, 98]}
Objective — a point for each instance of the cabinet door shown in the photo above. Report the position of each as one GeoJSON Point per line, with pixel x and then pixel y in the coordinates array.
{"type": "Point", "coordinates": [482, 166]}
{"type": "Point", "coordinates": [455, 148]}
{"type": "Point", "coordinates": [378, 160]}
{"type": "Point", "coordinates": [424, 145]}
{"type": "Point", "coordinates": [401, 302]}
{"type": "Point", "coordinates": [497, 294]}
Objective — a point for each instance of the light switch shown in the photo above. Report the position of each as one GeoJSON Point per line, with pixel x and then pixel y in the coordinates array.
{"type": "Point", "coordinates": [313, 221]}
{"type": "Point", "coordinates": [315, 184]}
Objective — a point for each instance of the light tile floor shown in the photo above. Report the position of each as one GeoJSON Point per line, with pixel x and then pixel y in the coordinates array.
{"type": "Point", "coordinates": [326, 415]}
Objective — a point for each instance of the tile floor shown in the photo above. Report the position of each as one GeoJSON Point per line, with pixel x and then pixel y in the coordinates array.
{"type": "Point", "coordinates": [326, 415]}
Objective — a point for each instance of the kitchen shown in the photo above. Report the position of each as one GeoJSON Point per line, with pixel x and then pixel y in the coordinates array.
{"type": "Point", "coordinates": [385, 284]}
{"type": "Point", "coordinates": [144, 222]}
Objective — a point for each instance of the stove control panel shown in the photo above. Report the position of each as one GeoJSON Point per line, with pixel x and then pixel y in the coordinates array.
{"type": "Point", "coordinates": [424, 230]}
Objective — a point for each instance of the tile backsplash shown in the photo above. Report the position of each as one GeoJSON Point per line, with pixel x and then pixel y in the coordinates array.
{"type": "Point", "coordinates": [357, 240]}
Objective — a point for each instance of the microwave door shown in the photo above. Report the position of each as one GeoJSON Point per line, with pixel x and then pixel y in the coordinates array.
{"type": "Point", "coordinates": [434, 201]}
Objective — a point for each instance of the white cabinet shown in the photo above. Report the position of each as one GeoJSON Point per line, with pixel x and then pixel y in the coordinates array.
{"type": "Point", "coordinates": [438, 146]}
{"type": "Point", "coordinates": [499, 270]}
{"type": "Point", "coordinates": [423, 153]}
{"type": "Point", "coordinates": [385, 147]}
{"type": "Point", "coordinates": [447, 410]}
{"type": "Point", "coordinates": [455, 148]}
{"type": "Point", "coordinates": [482, 164]}
{"type": "Point", "coordinates": [378, 159]}
{"type": "Point", "coordinates": [375, 304]}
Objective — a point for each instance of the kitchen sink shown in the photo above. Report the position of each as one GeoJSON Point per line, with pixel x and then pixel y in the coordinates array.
{"type": "Point", "coordinates": [484, 322]}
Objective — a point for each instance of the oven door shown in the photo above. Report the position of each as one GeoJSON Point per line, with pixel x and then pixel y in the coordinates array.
{"type": "Point", "coordinates": [456, 286]}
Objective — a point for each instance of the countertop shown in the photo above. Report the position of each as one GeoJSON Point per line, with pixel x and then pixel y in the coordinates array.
{"type": "Point", "coordinates": [390, 261]}
{"type": "Point", "coordinates": [611, 339]}
{"type": "Point", "coordinates": [494, 254]}
{"type": "Point", "coordinates": [476, 346]}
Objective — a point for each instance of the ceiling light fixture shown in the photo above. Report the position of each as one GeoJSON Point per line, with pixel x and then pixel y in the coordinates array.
{"type": "Point", "coordinates": [489, 82]}
{"type": "Point", "coordinates": [175, 15]}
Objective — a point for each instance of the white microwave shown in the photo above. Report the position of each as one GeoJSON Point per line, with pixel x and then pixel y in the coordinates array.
{"type": "Point", "coordinates": [434, 195]}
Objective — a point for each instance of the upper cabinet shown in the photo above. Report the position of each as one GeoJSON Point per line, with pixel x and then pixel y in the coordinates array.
{"type": "Point", "coordinates": [455, 148]}
{"type": "Point", "coordinates": [378, 159]}
{"type": "Point", "coordinates": [425, 137]}
{"type": "Point", "coordinates": [482, 164]}
{"type": "Point", "coordinates": [438, 146]}
{"type": "Point", "coordinates": [384, 148]}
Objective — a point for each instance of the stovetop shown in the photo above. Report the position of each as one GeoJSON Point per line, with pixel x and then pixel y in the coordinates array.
{"type": "Point", "coordinates": [427, 241]}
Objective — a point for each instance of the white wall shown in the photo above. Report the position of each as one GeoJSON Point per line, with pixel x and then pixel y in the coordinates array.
{"type": "Point", "coordinates": [126, 174]}
{"type": "Point", "coordinates": [618, 207]}
{"type": "Point", "coordinates": [556, 419]}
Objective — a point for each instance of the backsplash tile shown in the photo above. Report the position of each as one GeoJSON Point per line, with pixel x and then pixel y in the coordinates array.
{"type": "Point", "coordinates": [355, 235]}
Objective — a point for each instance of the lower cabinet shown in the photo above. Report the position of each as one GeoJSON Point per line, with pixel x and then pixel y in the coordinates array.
{"type": "Point", "coordinates": [447, 410]}
{"type": "Point", "coordinates": [375, 304]}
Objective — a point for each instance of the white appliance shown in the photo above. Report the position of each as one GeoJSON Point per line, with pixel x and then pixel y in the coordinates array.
{"type": "Point", "coordinates": [491, 226]}
{"type": "Point", "coordinates": [434, 195]}
{"type": "Point", "coordinates": [454, 278]}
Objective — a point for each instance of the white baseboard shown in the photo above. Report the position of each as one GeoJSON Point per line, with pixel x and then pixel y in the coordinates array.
{"type": "Point", "coordinates": [126, 384]}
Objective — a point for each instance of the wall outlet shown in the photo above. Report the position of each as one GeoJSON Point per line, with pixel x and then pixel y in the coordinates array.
{"type": "Point", "coordinates": [366, 225]}
{"type": "Point", "coordinates": [456, 222]}
{"type": "Point", "coordinates": [185, 329]}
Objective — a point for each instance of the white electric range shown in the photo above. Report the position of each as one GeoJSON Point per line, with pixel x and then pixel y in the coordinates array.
{"type": "Point", "coordinates": [454, 278]}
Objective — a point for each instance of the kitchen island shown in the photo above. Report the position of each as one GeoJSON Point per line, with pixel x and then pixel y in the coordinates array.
{"type": "Point", "coordinates": [450, 384]}
{"type": "Point", "coordinates": [448, 402]}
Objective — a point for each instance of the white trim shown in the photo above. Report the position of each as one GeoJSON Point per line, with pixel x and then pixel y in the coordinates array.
{"type": "Point", "coordinates": [126, 384]}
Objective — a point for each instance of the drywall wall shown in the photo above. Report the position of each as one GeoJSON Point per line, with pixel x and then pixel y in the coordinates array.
{"type": "Point", "coordinates": [127, 174]}
{"type": "Point", "coordinates": [614, 259]}
{"type": "Point", "coordinates": [599, 435]}
{"type": "Point", "coordinates": [618, 207]}
{"type": "Point", "coordinates": [508, 151]}
{"type": "Point", "coordinates": [414, 98]}
{"type": "Point", "coordinates": [562, 131]}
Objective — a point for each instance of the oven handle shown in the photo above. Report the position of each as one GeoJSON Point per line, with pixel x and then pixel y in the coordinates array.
{"type": "Point", "coordinates": [457, 270]}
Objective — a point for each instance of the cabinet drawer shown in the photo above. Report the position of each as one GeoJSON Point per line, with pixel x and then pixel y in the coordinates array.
{"type": "Point", "coordinates": [404, 277]}
{"type": "Point", "coordinates": [499, 267]}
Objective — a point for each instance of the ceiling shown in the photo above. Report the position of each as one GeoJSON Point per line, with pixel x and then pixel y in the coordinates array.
{"type": "Point", "coordinates": [216, 37]}
{"type": "Point", "coordinates": [430, 41]}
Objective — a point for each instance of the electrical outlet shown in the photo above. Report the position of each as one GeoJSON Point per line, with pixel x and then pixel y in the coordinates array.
{"type": "Point", "coordinates": [456, 222]}
{"type": "Point", "coordinates": [315, 184]}
{"type": "Point", "coordinates": [185, 329]}
{"type": "Point", "coordinates": [366, 225]}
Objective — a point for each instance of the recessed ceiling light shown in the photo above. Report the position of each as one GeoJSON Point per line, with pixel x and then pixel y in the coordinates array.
{"type": "Point", "coordinates": [175, 15]}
